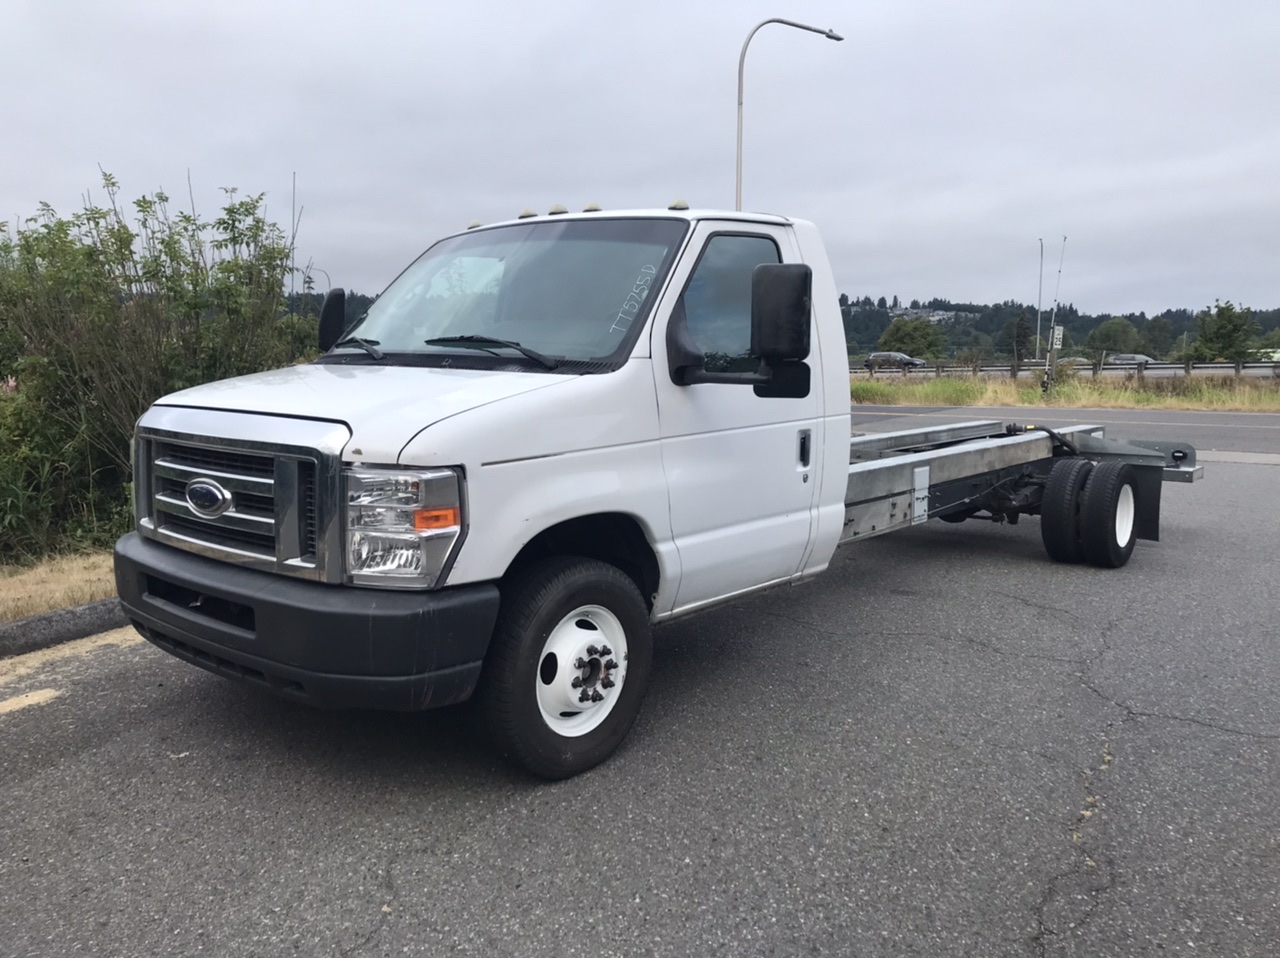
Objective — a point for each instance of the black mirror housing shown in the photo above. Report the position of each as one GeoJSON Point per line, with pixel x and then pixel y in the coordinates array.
{"type": "Point", "coordinates": [333, 318]}
{"type": "Point", "coordinates": [684, 359]}
{"type": "Point", "coordinates": [781, 303]}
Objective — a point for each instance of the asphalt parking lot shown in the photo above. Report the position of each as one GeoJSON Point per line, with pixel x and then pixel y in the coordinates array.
{"type": "Point", "coordinates": [946, 745]}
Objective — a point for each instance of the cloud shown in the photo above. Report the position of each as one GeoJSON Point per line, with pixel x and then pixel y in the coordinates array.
{"type": "Point", "coordinates": [934, 146]}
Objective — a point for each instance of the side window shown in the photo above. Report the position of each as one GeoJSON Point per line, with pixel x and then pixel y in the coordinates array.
{"type": "Point", "coordinates": [717, 301]}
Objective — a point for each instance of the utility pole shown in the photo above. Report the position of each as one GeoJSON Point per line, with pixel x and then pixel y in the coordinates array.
{"type": "Point", "coordinates": [1051, 359]}
{"type": "Point", "coordinates": [1053, 319]}
{"type": "Point", "coordinates": [1039, 298]}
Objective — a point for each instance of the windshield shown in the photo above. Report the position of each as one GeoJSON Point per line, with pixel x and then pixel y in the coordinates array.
{"type": "Point", "coordinates": [570, 290]}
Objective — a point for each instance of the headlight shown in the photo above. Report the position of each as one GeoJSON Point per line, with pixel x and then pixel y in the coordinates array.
{"type": "Point", "coordinates": [402, 525]}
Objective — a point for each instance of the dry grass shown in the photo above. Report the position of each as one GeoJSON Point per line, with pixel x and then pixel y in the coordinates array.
{"type": "Point", "coordinates": [57, 583]}
{"type": "Point", "coordinates": [1217, 393]}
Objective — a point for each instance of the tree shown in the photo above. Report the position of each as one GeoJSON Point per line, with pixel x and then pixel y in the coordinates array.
{"type": "Point", "coordinates": [882, 303]}
{"type": "Point", "coordinates": [1225, 333]}
{"type": "Point", "coordinates": [108, 310]}
{"type": "Point", "coordinates": [1018, 336]}
{"type": "Point", "coordinates": [915, 337]}
{"type": "Point", "coordinates": [895, 304]}
{"type": "Point", "coordinates": [915, 304]}
{"type": "Point", "coordinates": [1156, 339]}
{"type": "Point", "coordinates": [1115, 335]}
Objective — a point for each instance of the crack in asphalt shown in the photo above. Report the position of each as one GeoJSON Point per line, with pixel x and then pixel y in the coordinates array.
{"type": "Point", "coordinates": [388, 886]}
{"type": "Point", "coordinates": [1132, 712]}
{"type": "Point", "coordinates": [997, 650]}
{"type": "Point", "coordinates": [1092, 873]}
{"type": "Point", "coordinates": [1042, 606]}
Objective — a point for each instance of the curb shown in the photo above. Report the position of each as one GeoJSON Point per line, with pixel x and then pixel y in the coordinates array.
{"type": "Point", "coordinates": [65, 625]}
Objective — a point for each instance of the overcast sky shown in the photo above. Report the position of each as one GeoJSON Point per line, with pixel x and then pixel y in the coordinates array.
{"type": "Point", "coordinates": [934, 147]}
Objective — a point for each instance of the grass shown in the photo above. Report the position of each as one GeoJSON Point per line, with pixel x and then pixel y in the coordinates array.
{"type": "Point", "coordinates": [56, 583]}
{"type": "Point", "coordinates": [1216, 393]}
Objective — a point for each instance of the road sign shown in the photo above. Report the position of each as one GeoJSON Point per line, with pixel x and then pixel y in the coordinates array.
{"type": "Point", "coordinates": [1057, 337]}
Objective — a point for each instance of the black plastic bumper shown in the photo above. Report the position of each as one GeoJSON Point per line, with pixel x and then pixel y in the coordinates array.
{"type": "Point", "coordinates": [329, 646]}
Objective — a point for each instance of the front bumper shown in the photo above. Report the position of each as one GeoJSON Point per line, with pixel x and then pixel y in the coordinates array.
{"type": "Point", "coordinates": [330, 646]}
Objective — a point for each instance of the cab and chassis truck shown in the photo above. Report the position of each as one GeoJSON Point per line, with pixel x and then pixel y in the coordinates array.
{"type": "Point", "coordinates": [545, 437]}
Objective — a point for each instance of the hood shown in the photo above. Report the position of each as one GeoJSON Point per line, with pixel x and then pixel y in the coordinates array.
{"type": "Point", "coordinates": [383, 406]}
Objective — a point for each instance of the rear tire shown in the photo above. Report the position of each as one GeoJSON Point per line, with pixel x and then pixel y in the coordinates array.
{"type": "Point", "coordinates": [1108, 515]}
{"type": "Point", "coordinates": [567, 628]}
{"type": "Point", "coordinates": [1060, 510]}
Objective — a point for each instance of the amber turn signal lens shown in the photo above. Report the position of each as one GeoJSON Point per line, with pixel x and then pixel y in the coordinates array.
{"type": "Point", "coordinates": [425, 520]}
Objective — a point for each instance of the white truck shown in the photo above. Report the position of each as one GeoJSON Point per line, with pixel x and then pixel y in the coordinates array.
{"type": "Point", "coordinates": [546, 436]}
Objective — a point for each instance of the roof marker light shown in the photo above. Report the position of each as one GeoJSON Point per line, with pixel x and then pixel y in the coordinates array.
{"type": "Point", "coordinates": [678, 205]}
{"type": "Point", "coordinates": [591, 208]}
{"type": "Point", "coordinates": [526, 213]}
{"type": "Point", "coordinates": [557, 210]}
{"type": "Point", "coordinates": [474, 224]}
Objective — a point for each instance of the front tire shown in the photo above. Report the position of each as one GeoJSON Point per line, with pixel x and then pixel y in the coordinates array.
{"type": "Point", "coordinates": [568, 666]}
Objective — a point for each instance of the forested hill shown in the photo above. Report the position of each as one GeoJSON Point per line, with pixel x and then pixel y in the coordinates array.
{"type": "Point", "coordinates": [972, 331]}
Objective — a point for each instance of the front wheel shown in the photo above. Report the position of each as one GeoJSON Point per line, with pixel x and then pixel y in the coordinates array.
{"type": "Point", "coordinates": [568, 666]}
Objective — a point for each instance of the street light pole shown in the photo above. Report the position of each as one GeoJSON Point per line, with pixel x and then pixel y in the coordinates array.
{"type": "Point", "coordinates": [742, 59]}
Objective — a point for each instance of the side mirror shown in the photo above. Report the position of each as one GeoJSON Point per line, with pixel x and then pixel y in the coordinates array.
{"type": "Point", "coordinates": [333, 318]}
{"type": "Point", "coordinates": [780, 306]}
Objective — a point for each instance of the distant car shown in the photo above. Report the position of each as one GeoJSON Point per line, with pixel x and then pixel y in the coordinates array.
{"type": "Point", "coordinates": [892, 361]}
{"type": "Point", "coordinates": [1074, 361]}
{"type": "Point", "coordinates": [1129, 358]}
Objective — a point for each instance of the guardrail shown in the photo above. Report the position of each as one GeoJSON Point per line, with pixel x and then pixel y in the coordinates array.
{"type": "Point", "coordinates": [1036, 370]}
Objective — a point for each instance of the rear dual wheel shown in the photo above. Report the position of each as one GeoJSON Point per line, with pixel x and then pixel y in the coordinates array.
{"type": "Point", "coordinates": [1089, 513]}
{"type": "Point", "coordinates": [1108, 515]}
{"type": "Point", "coordinates": [1060, 510]}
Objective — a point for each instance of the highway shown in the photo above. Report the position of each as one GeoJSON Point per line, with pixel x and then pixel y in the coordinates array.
{"type": "Point", "coordinates": [946, 745]}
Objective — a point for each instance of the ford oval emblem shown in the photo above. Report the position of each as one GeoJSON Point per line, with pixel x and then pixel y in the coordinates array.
{"type": "Point", "coordinates": [207, 498]}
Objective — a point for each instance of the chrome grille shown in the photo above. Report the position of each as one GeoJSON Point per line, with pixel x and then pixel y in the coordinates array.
{"type": "Point", "coordinates": [248, 525]}
{"type": "Point", "coordinates": [278, 500]}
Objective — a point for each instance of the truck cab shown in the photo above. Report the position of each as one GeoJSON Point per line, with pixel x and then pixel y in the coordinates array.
{"type": "Point", "coordinates": [543, 437]}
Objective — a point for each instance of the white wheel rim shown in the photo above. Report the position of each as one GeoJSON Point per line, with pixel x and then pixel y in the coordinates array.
{"type": "Point", "coordinates": [1124, 515]}
{"type": "Point", "coordinates": [581, 671]}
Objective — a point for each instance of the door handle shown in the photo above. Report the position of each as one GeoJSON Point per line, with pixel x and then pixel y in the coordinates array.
{"type": "Point", "coordinates": [804, 447]}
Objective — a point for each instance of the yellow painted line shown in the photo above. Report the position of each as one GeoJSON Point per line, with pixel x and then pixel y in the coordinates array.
{"type": "Point", "coordinates": [14, 668]}
{"type": "Point", "coordinates": [38, 697]}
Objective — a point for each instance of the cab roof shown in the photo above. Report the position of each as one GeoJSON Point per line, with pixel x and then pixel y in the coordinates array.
{"type": "Point", "coordinates": [690, 215]}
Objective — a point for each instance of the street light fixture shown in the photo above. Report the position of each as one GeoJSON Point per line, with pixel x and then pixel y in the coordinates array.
{"type": "Point", "coordinates": [316, 269]}
{"type": "Point", "coordinates": [742, 59]}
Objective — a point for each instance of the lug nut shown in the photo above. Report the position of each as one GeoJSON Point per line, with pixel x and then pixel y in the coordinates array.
{"type": "Point", "coordinates": [596, 696]}
{"type": "Point", "coordinates": [580, 663]}
{"type": "Point", "coordinates": [576, 683]}
{"type": "Point", "coordinates": [611, 664]}
{"type": "Point", "coordinates": [605, 650]}
{"type": "Point", "coordinates": [592, 650]}
{"type": "Point", "coordinates": [606, 683]}
{"type": "Point", "coordinates": [584, 696]}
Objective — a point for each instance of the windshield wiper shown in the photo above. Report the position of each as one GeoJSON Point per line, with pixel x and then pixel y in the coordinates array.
{"type": "Point", "coordinates": [484, 341]}
{"type": "Point", "coordinates": [370, 346]}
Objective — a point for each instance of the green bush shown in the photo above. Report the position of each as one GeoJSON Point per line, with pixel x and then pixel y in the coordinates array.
{"type": "Point", "coordinates": [100, 315]}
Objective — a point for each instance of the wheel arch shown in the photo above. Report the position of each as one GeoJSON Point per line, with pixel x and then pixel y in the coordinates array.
{"type": "Point", "coordinates": [613, 537]}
